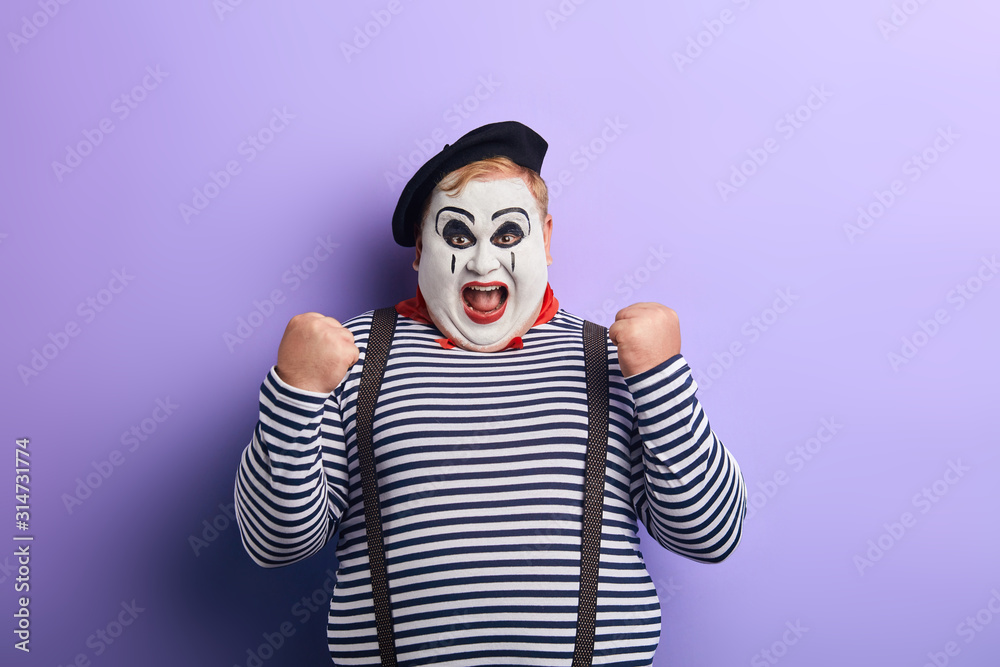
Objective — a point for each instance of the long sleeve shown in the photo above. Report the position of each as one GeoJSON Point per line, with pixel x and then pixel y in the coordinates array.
{"type": "Point", "coordinates": [686, 486]}
{"type": "Point", "coordinates": [292, 482]}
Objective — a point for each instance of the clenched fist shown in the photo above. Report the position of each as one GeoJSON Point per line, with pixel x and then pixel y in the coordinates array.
{"type": "Point", "coordinates": [315, 353]}
{"type": "Point", "coordinates": [647, 334]}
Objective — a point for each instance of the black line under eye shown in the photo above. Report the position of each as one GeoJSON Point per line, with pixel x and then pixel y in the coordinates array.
{"type": "Point", "coordinates": [508, 235]}
{"type": "Point", "coordinates": [458, 235]}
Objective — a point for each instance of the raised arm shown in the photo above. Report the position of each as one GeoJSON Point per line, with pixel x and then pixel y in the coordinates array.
{"type": "Point", "coordinates": [686, 487]}
{"type": "Point", "coordinates": [292, 482]}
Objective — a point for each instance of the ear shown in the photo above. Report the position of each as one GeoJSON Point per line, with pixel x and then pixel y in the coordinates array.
{"type": "Point", "coordinates": [547, 236]}
{"type": "Point", "coordinates": [416, 261]}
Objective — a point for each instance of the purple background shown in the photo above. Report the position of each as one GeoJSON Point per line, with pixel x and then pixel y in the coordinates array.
{"type": "Point", "coordinates": [672, 130]}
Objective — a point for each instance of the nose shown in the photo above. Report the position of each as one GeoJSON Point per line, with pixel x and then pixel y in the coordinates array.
{"type": "Point", "coordinates": [484, 259]}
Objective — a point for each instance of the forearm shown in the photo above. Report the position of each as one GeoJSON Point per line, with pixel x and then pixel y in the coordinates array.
{"type": "Point", "coordinates": [286, 509]}
{"type": "Point", "coordinates": [693, 496]}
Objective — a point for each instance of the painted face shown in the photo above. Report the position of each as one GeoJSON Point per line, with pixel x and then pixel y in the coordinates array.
{"type": "Point", "coordinates": [483, 263]}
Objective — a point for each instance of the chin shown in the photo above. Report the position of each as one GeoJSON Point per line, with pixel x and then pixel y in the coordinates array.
{"type": "Point", "coordinates": [451, 332]}
{"type": "Point", "coordinates": [472, 347]}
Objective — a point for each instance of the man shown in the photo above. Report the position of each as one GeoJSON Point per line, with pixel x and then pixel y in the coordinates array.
{"type": "Point", "coordinates": [480, 439]}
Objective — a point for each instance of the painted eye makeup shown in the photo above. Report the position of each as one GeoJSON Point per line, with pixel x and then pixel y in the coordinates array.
{"type": "Point", "coordinates": [458, 235]}
{"type": "Point", "coordinates": [507, 235]}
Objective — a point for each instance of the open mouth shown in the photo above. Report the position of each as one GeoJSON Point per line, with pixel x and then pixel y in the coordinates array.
{"type": "Point", "coordinates": [484, 302]}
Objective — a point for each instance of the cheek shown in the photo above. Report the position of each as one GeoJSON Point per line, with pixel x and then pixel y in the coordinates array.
{"type": "Point", "coordinates": [527, 257]}
{"type": "Point", "coordinates": [440, 269]}
{"type": "Point", "coordinates": [438, 256]}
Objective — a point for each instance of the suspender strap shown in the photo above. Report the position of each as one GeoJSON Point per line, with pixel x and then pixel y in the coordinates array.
{"type": "Point", "coordinates": [596, 361]}
{"type": "Point", "coordinates": [379, 340]}
{"type": "Point", "coordinates": [595, 351]}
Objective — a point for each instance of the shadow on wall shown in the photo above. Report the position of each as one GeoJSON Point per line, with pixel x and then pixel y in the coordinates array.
{"type": "Point", "coordinates": [230, 608]}
{"type": "Point", "coordinates": [382, 272]}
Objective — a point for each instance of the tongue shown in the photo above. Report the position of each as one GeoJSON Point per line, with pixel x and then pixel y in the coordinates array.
{"type": "Point", "coordinates": [482, 301]}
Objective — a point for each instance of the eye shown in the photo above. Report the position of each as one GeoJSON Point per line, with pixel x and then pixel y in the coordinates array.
{"type": "Point", "coordinates": [458, 235]}
{"type": "Point", "coordinates": [458, 241]}
{"type": "Point", "coordinates": [508, 235]}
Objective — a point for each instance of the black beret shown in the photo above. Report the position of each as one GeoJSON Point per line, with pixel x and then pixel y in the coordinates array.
{"type": "Point", "coordinates": [509, 139]}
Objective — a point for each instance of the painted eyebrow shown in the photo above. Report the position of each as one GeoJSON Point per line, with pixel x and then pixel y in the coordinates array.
{"type": "Point", "coordinates": [453, 209]}
{"type": "Point", "coordinates": [513, 209]}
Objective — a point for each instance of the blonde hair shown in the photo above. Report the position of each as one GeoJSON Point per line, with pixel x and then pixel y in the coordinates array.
{"type": "Point", "coordinates": [487, 170]}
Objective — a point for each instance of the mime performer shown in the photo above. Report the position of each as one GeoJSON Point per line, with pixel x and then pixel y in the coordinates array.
{"type": "Point", "coordinates": [489, 420]}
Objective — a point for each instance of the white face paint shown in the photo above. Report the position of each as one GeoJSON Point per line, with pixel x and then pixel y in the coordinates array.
{"type": "Point", "coordinates": [483, 263]}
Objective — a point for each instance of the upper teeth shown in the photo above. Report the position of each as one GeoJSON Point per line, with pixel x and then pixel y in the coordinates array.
{"type": "Point", "coordinates": [484, 288]}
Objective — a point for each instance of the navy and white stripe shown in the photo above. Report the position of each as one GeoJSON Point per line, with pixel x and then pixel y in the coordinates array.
{"type": "Point", "coordinates": [480, 458]}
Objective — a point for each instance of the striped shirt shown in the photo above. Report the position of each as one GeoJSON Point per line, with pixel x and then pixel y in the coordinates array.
{"type": "Point", "coordinates": [480, 461]}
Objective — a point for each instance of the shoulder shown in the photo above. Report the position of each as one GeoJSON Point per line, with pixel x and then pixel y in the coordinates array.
{"type": "Point", "coordinates": [568, 320]}
{"type": "Point", "coordinates": [406, 328]}
{"type": "Point", "coordinates": [565, 320]}
{"type": "Point", "coordinates": [569, 324]}
{"type": "Point", "coordinates": [359, 322]}
{"type": "Point", "coordinates": [564, 330]}
{"type": "Point", "coordinates": [360, 326]}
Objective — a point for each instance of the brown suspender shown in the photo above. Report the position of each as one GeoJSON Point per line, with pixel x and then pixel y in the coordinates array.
{"type": "Point", "coordinates": [596, 361]}
{"type": "Point", "coordinates": [595, 352]}
{"type": "Point", "coordinates": [379, 339]}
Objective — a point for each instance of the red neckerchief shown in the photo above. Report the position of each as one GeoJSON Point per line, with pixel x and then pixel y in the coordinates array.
{"type": "Point", "coordinates": [416, 309]}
